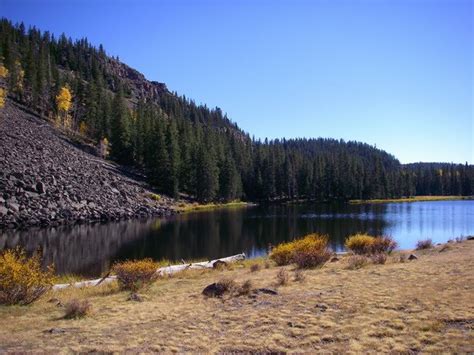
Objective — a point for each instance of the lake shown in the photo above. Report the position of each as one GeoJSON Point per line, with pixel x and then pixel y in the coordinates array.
{"type": "Point", "coordinates": [89, 250]}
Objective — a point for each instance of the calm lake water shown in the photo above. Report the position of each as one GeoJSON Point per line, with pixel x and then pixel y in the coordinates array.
{"type": "Point", "coordinates": [89, 250]}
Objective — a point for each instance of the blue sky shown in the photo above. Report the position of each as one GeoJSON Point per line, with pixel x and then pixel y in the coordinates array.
{"type": "Point", "coordinates": [397, 74]}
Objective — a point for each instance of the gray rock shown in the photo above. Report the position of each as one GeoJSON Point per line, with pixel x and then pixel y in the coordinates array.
{"type": "Point", "coordinates": [40, 187]}
{"type": "Point", "coordinates": [14, 206]}
{"type": "Point", "coordinates": [412, 257]}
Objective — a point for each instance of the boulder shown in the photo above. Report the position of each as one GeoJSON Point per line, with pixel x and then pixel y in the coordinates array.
{"type": "Point", "coordinates": [412, 257]}
{"type": "Point", "coordinates": [214, 290]}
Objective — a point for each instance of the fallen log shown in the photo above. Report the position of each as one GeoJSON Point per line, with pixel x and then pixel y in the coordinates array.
{"type": "Point", "coordinates": [167, 270]}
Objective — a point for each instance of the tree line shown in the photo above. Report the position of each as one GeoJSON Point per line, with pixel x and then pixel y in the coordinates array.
{"type": "Point", "coordinates": [192, 149]}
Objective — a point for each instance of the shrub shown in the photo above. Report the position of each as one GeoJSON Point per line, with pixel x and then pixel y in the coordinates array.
{"type": "Point", "coordinates": [359, 243]}
{"type": "Point", "coordinates": [383, 244]}
{"type": "Point", "coordinates": [309, 251]}
{"type": "Point", "coordinates": [356, 262]}
{"type": "Point", "coordinates": [227, 285]}
{"type": "Point", "coordinates": [135, 274]}
{"type": "Point", "coordinates": [282, 277]}
{"type": "Point", "coordinates": [311, 257]}
{"type": "Point", "coordinates": [77, 309]}
{"type": "Point", "coordinates": [299, 275]}
{"type": "Point", "coordinates": [424, 244]}
{"type": "Point", "coordinates": [379, 258]}
{"type": "Point", "coordinates": [246, 288]}
{"type": "Point", "coordinates": [366, 244]}
{"type": "Point", "coordinates": [255, 267]}
{"type": "Point", "coordinates": [282, 254]}
{"type": "Point", "coordinates": [22, 280]}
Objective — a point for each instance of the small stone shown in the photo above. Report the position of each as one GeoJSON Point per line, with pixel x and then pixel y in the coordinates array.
{"type": "Point", "coordinates": [40, 187]}
{"type": "Point", "coordinates": [55, 331]}
{"type": "Point", "coordinates": [214, 290]}
{"type": "Point", "coordinates": [267, 291]}
{"type": "Point", "coordinates": [14, 206]}
{"type": "Point", "coordinates": [412, 257]}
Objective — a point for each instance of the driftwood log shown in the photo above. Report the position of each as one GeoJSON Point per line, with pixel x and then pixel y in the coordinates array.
{"type": "Point", "coordinates": [163, 271]}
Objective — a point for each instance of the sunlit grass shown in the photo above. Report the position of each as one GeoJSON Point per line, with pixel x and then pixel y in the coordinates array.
{"type": "Point", "coordinates": [413, 199]}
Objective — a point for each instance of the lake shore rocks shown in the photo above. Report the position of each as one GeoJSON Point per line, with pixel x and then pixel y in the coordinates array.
{"type": "Point", "coordinates": [46, 180]}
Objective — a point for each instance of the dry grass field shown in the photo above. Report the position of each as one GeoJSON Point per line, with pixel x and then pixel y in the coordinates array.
{"type": "Point", "coordinates": [424, 305]}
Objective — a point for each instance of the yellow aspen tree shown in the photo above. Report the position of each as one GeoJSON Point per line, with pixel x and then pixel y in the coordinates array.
{"type": "Point", "coordinates": [3, 95]}
{"type": "Point", "coordinates": [63, 101]}
{"type": "Point", "coordinates": [3, 71]}
{"type": "Point", "coordinates": [104, 148]}
{"type": "Point", "coordinates": [3, 91]}
{"type": "Point", "coordinates": [83, 128]}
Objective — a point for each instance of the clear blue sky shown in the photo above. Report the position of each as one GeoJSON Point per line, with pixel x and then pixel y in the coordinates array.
{"type": "Point", "coordinates": [398, 74]}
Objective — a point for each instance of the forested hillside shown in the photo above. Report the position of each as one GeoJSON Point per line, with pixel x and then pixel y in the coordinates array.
{"type": "Point", "coordinates": [188, 148]}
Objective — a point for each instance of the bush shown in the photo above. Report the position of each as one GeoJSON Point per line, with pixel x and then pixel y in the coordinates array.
{"type": "Point", "coordinates": [246, 288]}
{"type": "Point", "coordinates": [282, 277]}
{"type": "Point", "coordinates": [366, 244]}
{"type": "Point", "coordinates": [255, 267]}
{"type": "Point", "coordinates": [356, 262]}
{"type": "Point", "coordinates": [309, 251]}
{"type": "Point", "coordinates": [379, 258]}
{"type": "Point", "coordinates": [77, 309]}
{"type": "Point", "coordinates": [424, 244]}
{"type": "Point", "coordinates": [135, 274]}
{"type": "Point", "coordinates": [22, 280]}
{"type": "Point", "coordinates": [299, 275]}
{"type": "Point", "coordinates": [383, 244]}
{"type": "Point", "coordinates": [282, 254]}
{"type": "Point", "coordinates": [359, 243]}
{"type": "Point", "coordinates": [311, 257]}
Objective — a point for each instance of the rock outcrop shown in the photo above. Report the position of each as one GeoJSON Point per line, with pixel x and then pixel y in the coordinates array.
{"type": "Point", "coordinates": [46, 180]}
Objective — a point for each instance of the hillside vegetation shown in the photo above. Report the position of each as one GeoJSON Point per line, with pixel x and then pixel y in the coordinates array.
{"type": "Point", "coordinates": [188, 148]}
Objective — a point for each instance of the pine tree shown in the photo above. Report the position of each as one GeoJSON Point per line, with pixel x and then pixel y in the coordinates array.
{"type": "Point", "coordinates": [120, 139]}
{"type": "Point", "coordinates": [207, 175]}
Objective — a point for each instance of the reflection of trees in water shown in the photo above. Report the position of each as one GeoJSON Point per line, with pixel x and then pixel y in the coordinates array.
{"type": "Point", "coordinates": [220, 233]}
{"type": "Point", "coordinates": [90, 249]}
{"type": "Point", "coordinates": [80, 249]}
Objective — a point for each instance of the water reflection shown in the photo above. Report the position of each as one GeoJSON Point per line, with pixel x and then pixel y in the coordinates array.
{"type": "Point", "coordinates": [90, 249]}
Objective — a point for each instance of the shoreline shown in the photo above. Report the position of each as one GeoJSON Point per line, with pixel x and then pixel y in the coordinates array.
{"type": "Point", "coordinates": [412, 199]}
{"type": "Point", "coordinates": [390, 307]}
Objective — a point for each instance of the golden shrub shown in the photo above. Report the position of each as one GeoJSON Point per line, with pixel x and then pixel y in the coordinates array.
{"type": "Point", "coordinates": [22, 279]}
{"type": "Point", "coordinates": [360, 243]}
{"type": "Point", "coordinates": [309, 251]}
{"type": "Point", "coordinates": [282, 254]}
{"type": "Point", "coordinates": [366, 244]}
{"type": "Point", "coordinates": [135, 274]}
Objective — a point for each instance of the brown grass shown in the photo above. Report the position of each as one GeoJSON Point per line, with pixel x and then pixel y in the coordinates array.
{"type": "Point", "coordinates": [424, 305]}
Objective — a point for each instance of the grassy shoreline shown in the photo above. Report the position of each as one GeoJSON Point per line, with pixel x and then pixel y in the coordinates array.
{"type": "Point", "coordinates": [423, 305]}
{"type": "Point", "coordinates": [413, 199]}
{"type": "Point", "coordinates": [183, 207]}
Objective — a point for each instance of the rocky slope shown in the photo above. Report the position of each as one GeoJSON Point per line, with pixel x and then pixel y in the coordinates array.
{"type": "Point", "coordinates": [46, 180]}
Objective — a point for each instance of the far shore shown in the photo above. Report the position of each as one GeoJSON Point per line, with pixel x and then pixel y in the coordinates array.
{"type": "Point", "coordinates": [413, 199]}
{"type": "Point", "coordinates": [194, 206]}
